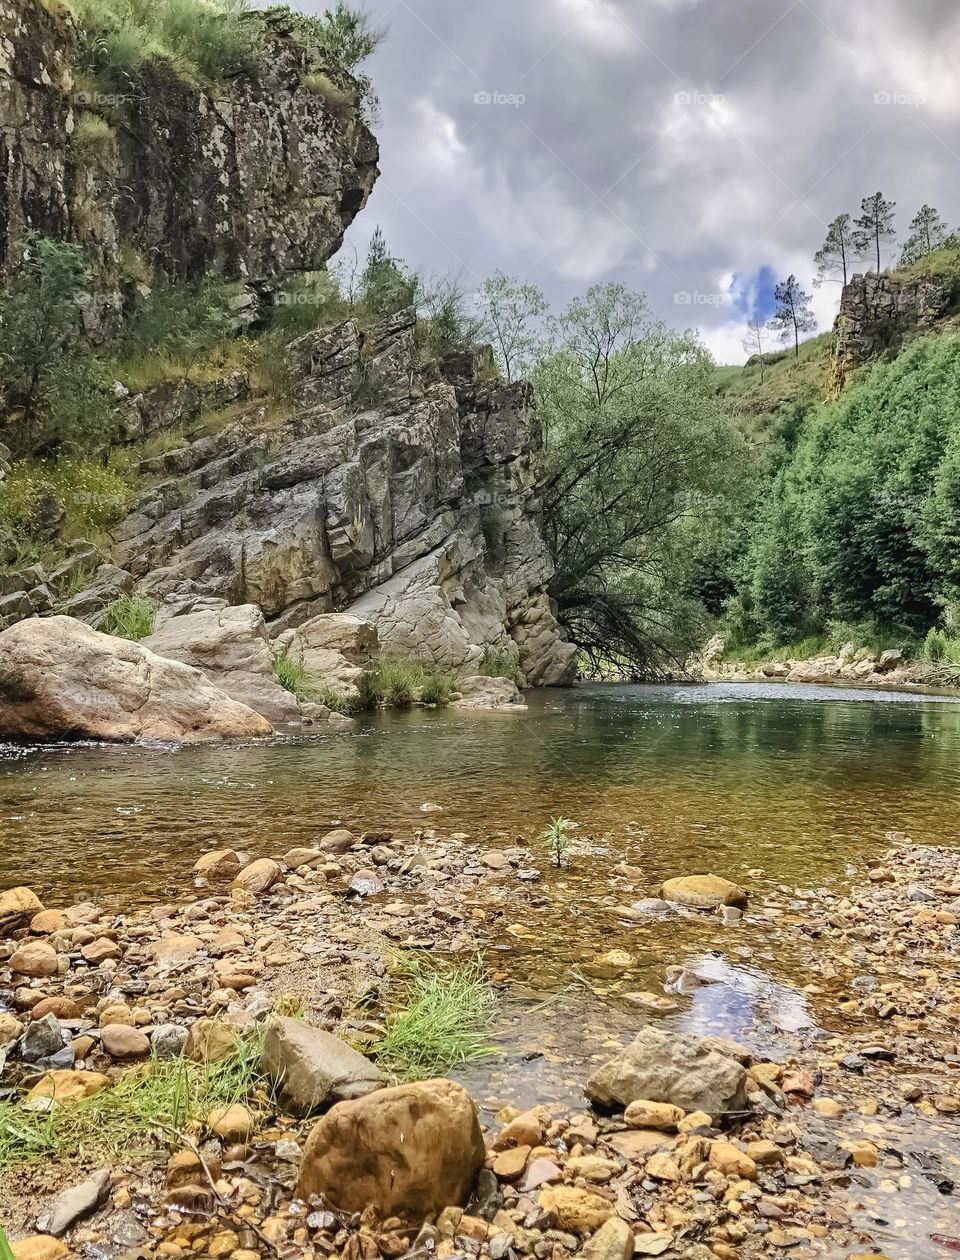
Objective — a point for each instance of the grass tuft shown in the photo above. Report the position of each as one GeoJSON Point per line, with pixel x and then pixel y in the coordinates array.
{"type": "Point", "coordinates": [497, 663]}
{"type": "Point", "coordinates": [129, 617]}
{"type": "Point", "coordinates": [445, 1019]}
{"type": "Point", "coordinates": [401, 683]}
{"type": "Point", "coordinates": [143, 1112]}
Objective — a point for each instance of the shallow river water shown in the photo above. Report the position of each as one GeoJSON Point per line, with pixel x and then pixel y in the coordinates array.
{"type": "Point", "coordinates": [785, 790]}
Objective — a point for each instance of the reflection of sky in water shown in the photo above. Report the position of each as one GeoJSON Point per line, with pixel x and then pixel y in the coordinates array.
{"type": "Point", "coordinates": [743, 1004]}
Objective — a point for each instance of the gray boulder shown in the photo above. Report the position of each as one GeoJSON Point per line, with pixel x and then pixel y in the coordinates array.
{"type": "Point", "coordinates": [671, 1068]}
{"type": "Point", "coordinates": [60, 679]}
{"type": "Point", "coordinates": [313, 1067]}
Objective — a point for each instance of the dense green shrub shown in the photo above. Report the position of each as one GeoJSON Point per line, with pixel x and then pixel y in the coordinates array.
{"type": "Point", "coordinates": [861, 522]}
{"type": "Point", "coordinates": [53, 390]}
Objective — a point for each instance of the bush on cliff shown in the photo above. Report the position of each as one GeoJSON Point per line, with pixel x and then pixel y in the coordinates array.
{"type": "Point", "coordinates": [53, 391]}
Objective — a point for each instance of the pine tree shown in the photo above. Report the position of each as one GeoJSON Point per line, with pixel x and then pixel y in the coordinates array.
{"type": "Point", "coordinates": [874, 226]}
{"type": "Point", "coordinates": [927, 233]}
{"type": "Point", "coordinates": [793, 314]}
{"type": "Point", "coordinates": [835, 255]}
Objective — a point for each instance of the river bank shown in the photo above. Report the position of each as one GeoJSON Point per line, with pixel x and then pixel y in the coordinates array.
{"type": "Point", "coordinates": [839, 1144]}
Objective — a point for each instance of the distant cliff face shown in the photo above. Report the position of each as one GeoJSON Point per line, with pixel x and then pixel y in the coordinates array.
{"type": "Point", "coordinates": [418, 510]}
{"type": "Point", "coordinates": [878, 314]}
{"type": "Point", "coordinates": [254, 179]}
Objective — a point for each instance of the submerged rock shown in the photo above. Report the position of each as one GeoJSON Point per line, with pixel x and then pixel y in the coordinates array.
{"type": "Point", "coordinates": [670, 1068]}
{"type": "Point", "coordinates": [60, 679]}
{"type": "Point", "coordinates": [409, 1151]}
{"type": "Point", "coordinates": [704, 892]}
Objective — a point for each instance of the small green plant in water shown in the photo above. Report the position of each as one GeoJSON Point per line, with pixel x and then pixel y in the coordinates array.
{"type": "Point", "coordinates": [402, 683]}
{"type": "Point", "coordinates": [444, 1021]}
{"type": "Point", "coordinates": [556, 839]}
{"type": "Point", "coordinates": [129, 617]}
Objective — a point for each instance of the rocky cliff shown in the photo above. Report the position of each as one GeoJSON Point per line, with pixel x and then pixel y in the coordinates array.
{"type": "Point", "coordinates": [417, 509]}
{"type": "Point", "coordinates": [253, 179]}
{"type": "Point", "coordinates": [878, 314]}
{"type": "Point", "coordinates": [387, 484]}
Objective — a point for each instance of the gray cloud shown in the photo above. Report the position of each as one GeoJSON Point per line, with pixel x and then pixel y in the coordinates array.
{"type": "Point", "coordinates": [677, 145]}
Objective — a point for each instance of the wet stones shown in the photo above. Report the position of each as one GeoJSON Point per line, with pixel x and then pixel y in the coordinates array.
{"type": "Point", "coordinates": [258, 877]}
{"type": "Point", "coordinates": [18, 906]}
{"type": "Point", "coordinates": [671, 1068]}
{"type": "Point", "coordinates": [704, 892]}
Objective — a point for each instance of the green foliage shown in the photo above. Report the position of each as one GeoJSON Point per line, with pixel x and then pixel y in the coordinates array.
{"type": "Point", "coordinates": [293, 676]}
{"type": "Point", "coordinates": [53, 392]}
{"type": "Point", "coordinates": [556, 839]}
{"type": "Point", "coordinates": [928, 234]}
{"type": "Point", "coordinates": [861, 521]}
{"type": "Point", "coordinates": [793, 315]}
{"type": "Point", "coordinates": [512, 315]}
{"type": "Point", "coordinates": [6, 1251]}
{"type": "Point", "coordinates": [340, 101]}
{"type": "Point", "coordinates": [175, 329]}
{"type": "Point", "coordinates": [202, 40]}
{"type": "Point", "coordinates": [401, 683]}
{"type": "Point", "coordinates": [129, 617]}
{"type": "Point", "coordinates": [639, 451]}
{"type": "Point", "coordinates": [143, 1112]}
{"type": "Point", "coordinates": [85, 498]}
{"type": "Point", "coordinates": [498, 662]}
{"type": "Point", "coordinates": [93, 137]}
{"type": "Point", "coordinates": [444, 1021]}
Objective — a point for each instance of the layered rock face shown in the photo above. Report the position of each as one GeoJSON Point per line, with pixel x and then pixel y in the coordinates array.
{"type": "Point", "coordinates": [405, 496]}
{"type": "Point", "coordinates": [254, 179]}
{"type": "Point", "coordinates": [878, 314]}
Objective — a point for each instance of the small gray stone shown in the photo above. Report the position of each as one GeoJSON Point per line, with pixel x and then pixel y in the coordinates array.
{"type": "Point", "coordinates": [71, 1204]}
{"type": "Point", "coordinates": [312, 1067]}
{"type": "Point", "coordinates": [168, 1040]}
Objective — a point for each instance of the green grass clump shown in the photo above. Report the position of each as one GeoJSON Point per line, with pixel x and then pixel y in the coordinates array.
{"type": "Point", "coordinates": [145, 1111]}
{"type": "Point", "coordinates": [497, 663]}
{"type": "Point", "coordinates": [292, 675]}
{"type": "Point", "coordinates": [444, 1021]}
{"type": "Point", "coordinates": [93, 136]}
{"type": "Point", "coordinates": [129, 617]}
{"type": "Point", "coordinates": [401, 683]}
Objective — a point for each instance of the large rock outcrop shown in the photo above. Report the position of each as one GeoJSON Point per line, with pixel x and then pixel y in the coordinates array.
{"type": "Point", "coordinates": [406, 496]}
{"type": "Point", "coordinates": [254, 178]}
{"type": "Point", "coordinates": [879, 314]}
{"type": "Point", "coordinates": [61, 679]}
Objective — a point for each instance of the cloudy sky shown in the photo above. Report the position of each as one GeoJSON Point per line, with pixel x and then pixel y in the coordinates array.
{"type": "Point", "coordinates": [688, 148]}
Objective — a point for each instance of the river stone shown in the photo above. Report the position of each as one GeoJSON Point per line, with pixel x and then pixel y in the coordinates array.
{"type": "Point", "coordinates": [17, 908]}
{"type": "Point", "coordinates": [45, 1041]}
{"type": "Point", "coordinates": [218, 864]}
{"type": "Point", "coordinates": [259, 876]}
{"type": "Point", "coordinates": [121, 1041]}
{"type": "Point", "coordinates": [313, 1067]}
{"type": "Point", "coordinates": [612, 1241]}
{"type": "Point", "coordinates": [36, 959]}
{"type": "Point", "coordinates": [337, 841]}
{"type": "Point", "coordinates": [577, 1210]}
{"type": "Point", "coordinates": [71, 1204]}
{"type": "Point", "coordinates": [39, 1247]}
{"type": "Point", "coordinates": [209, 1040]}
{"type": "Point", "coordinates": [167, 1040]}
{"type": "Point", "coordinates": [68, 1086]}
{"type": "Point", "coordinates": [670, 1068]}
{"type": "Point", "coordinates": [705, 892]}
{"type": "Point", "coordinates": [61, 679]}
{"type": "Point", "coordinates": [409, 1151]}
